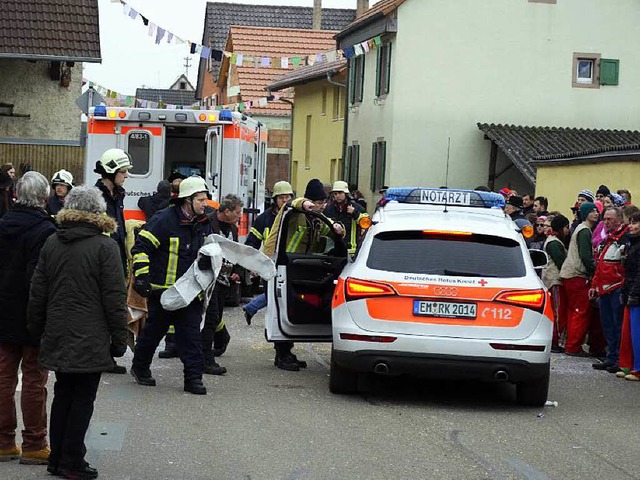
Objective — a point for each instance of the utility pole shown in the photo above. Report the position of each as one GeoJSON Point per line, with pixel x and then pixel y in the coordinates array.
{"type": "Point", "coordinates": [186, 65]}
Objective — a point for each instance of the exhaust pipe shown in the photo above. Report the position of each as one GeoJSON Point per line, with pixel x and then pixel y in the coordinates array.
{"type": "Point", "coordinates": [501, 376]}
{"type": "Point", "coordinates": [381, 368]}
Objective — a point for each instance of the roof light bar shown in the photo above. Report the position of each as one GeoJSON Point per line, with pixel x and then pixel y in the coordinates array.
{"type": "Point", "coordinates": [445, 196]}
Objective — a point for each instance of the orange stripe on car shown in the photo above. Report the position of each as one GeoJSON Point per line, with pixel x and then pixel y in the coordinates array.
{"type": "Point", "coordinates": [338, 294]}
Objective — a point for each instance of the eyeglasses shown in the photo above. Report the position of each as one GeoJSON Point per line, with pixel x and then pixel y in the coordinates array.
{"type": "Point", "coordinates": [540, 225]}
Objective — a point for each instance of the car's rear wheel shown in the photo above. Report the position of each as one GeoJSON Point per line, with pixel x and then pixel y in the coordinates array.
{"type": "Point", "coordinates": [534, 392]}
{"type": "Point", "coordinates": [342, 380]}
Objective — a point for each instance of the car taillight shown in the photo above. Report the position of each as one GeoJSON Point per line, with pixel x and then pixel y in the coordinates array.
{"type": "Point", "coordinates": [523, 348]}
{"type": "Point", "coordinates": [533, 299]}
{"type": "Point", "coordinates": [367, 338]}
{"type": "Point", "coordinates": [356, 289]}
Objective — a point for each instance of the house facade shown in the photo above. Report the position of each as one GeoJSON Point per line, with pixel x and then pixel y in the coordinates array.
{"type": "Point", "coordinates": [42, 49]}
{"type": "Point", "coordinates": [444, 67]}
{"type": "Point", "coordinates": [317, 121]}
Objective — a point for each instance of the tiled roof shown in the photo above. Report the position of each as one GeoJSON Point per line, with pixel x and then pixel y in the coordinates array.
{"type": "Point", "coordinates": [382, 8]}
{"type": "Point", "coordinates": [528, 146]}
{"type": "Point", "coordinates": [220, 16]}
{"type": "Point", "coordinates": [273, 42]}
{"type": "Point", "coordinates": [53, 29]}
{"type": "Point", "coordinates": [174, 97]}
{"type": "Point", "coordinates": [306, 74]}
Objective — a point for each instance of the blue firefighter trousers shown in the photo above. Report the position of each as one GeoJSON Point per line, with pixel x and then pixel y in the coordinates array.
{"type": "Point", "coordinates": [187, 337]}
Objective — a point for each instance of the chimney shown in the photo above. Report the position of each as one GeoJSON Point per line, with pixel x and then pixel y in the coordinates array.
{"type": "Point", "coordinates": [363, 6]}
{"type": "Point", "coordinates": [317, 14]}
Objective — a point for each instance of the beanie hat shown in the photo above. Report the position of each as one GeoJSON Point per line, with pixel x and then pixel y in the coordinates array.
{"type": "Point", "coordinates": [588, 194]}
{"type": "Point", "coordinates": [618, 200]}
{"type": "Point", "coordinates": [315, 190]}
{"type": "Point", "coordinates": [515, 201]}
{"type": "Point", "coordinates": [599, 206]}
{"type": "Point", "coordinates": [586, 208]}
{"type": "Point", "coordinates": [603, 190]}
{"type": "Point", "coordinates": [505, 192]}
{"type": "Point", "coordinates": [559, 222]}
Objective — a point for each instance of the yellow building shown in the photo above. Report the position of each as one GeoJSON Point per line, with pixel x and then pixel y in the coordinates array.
{"type": "Point", "coordinates": [318, 122]}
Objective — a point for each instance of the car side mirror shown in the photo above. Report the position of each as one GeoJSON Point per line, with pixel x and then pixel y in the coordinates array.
{"type": "Point", "coordinates": [539, 258]}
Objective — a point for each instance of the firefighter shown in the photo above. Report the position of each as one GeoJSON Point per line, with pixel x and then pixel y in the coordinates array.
{"type": "Point", "coordinates": [215, 336]}
{"type": "Point", "coordinates": [113, 168]}
{"type": "Point", "coordinates": [298, 240]}
{"type": "Point", "coordinates": [260, 232]}
{"type": "Point", "coordinates": [164, 250]}
{"type": "Point", "coordinates": [347, 212]}
{"type": "Point", "coordinates": [62, 183]}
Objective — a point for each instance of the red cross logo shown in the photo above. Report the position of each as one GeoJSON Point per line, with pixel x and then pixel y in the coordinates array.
{"type": "Point", "coordinates": [483, 282]}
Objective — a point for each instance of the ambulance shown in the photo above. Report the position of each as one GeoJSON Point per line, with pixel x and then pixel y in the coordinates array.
{"type": "Point", "coordinates": [228, 149]}
{"type": "Point", "coordinates": [443, 286]}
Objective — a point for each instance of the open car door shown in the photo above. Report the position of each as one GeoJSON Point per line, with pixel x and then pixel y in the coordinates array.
{"type": "Point", "coordinates": [310, 257]}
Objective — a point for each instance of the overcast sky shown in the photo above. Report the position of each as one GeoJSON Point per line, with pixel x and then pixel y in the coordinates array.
{"type": "Point", "coordinates": [131, 59]}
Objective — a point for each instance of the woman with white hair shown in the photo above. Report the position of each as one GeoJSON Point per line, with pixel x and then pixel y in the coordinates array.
{"type": "Point", "coordinates": [23, 231]}
{"type": "Point", "coordinates": [78, 309]}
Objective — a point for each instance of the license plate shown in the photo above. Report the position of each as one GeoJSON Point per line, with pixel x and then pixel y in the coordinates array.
{"type": "Point", "coordinates": [444, 309]}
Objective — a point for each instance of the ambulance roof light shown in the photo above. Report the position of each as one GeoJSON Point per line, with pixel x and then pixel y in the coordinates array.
{"type": "Point", "coordinates": [226, 116]}
{"type": "Point", "coordinates": [445, 196]}
{"type": "Point", "coordinates": [100, 111]}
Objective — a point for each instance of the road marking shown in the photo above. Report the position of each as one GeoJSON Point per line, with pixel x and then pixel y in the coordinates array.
{"type": "Point", "coordinates": [493, 471]}
{"type": "Point", "coordinates": [19, 386]}
{"type": "Point", "coordinates": [527, 470]}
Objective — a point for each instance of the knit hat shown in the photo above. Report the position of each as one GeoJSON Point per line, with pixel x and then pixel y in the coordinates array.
{"type": "Point", "coordinates": [588, 194]}
{"type": "Point", "coordinates": [559, 222]}
{"type": "Point", "coordinates": [599, 206]}
{"type": "Point", "coordinates": [505, 192]}
{"type": "Point", "coordinates": [585, 209]}
{"type": "Point", "coordinates": [618, 200]}
{"type": "Point", "coordinates": [603, 190]}
{"type": "Point", "coordinates": [515, 201]}
{"type": "Point", "coordinates": [315, 190]}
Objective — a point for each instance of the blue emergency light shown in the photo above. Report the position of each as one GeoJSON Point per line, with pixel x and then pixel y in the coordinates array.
{"type": "Point", "coordinates": [100, 111]}
{"type": "Point", "coordinates": [225, 116]}
{"type": "Point", "coordinates": [445, 197]}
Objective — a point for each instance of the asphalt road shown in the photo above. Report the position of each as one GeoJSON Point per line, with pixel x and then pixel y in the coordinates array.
{"type": "Point", "coordinates": [259, 422]}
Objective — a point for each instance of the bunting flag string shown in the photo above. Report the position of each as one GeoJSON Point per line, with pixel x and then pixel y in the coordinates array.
{"type": "Point", "coordinates": [158, 33]}
{"type": "Point", "coordinates": [116, 99]}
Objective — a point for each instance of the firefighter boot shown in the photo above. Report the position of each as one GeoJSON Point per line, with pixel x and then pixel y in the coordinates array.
{"type": "Point", "coordinates": [285, 360]}
{"type": "Point", "coordinates": [170, 347]}
{"type": "Point", "coordinates": [220, 341]}
{"type": "Point", "coordinates": [195, 386]}
{"type": "Point", "coordinates": [210, 365]}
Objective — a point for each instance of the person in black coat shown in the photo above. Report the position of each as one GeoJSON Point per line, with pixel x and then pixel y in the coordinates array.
{"type": "Point", "coordinates": [78, 310]}
{"type": "Point", "coordinates": [23, 231]}
{"type": "Point", "coordinates": [62, 183]}
{"type": "Point", "coordinates": [159, 200]}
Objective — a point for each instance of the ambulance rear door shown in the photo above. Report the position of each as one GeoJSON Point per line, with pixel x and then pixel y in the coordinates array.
{"type": "Point", "coordinates": [214, 160]}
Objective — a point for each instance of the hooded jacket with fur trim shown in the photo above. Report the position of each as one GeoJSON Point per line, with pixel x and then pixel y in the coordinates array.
{"type": "Point", "coordinates": [77, 298]}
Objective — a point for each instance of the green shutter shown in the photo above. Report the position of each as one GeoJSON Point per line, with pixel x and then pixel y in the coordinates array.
{"type": "Point", "coordinates": [379, 72]}
{"type": "Point", "coordinates": [609, 71]}
{"type": "Point", "coordinates": [383, 164]}
{"type": "Point", "coordinates": [352, 81]}
{"type": "Point", "coordinates": [387, 85]}
{"type": "Point", "coordinates": [372, 183]}
{"type": "Point", "coordinates": [346, 165]}
{"type": "Point", "coordinates": [355, 165]}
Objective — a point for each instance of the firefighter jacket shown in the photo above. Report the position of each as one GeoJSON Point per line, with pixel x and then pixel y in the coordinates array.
{"type": "Point", "coordinates": [262, 228]}
{"type": "Point", "coordinates": [168, 245]}
{"type": "Point", "coordinates": [338, 213]}
{"type": "Point", "coordinates": [230, 232]}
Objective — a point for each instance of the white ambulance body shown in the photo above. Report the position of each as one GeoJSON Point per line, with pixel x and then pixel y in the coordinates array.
{"type": "Point", "coordinates": [226, 148]}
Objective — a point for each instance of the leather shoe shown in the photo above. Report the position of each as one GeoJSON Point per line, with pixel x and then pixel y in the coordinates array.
{"type": "Point", "coordinates": [287, 362]}
{"type": "Point", "coordinates": [613, 369]}
{"type": "Point", "coordinates": [214, 369]}
{"type": "Point", "coordinates": [86, 472]}
{"type": "Point", "coordinates": [195, 386]}
{"type": "Point", "coordinates": [600, 365]}
{"type": "Point", "coordinates": [247, 316]}
{"type": "Point", "coordinates": [143, 378]}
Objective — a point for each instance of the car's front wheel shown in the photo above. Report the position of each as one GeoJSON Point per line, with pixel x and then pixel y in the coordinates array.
{"type": "Point", "coordinates": [342, 380]}
{"type": "Point", "coordinates": [533, 393]}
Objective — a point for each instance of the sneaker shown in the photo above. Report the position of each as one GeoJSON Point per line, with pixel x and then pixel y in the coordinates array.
{"type": "Point", "coordinates": [220, 343]}
{"type": "Point", "coordinates": [86, 472]}
{"type": "Point", "coordinates": [621, 374]}
{"type": "Point", "coordinates": [117, 369]}
{"type": "Point", "coordinates": [601, 365]}
{"type": "Point", "coordinates": [288, 362]}
{"type": "Point", "coordinates": [195, 386]}
{"type": "Point", "coordinates": [170, 351]}
{"type": "Point", "coordinates": [247, 316]}
{"type": "Point", "coordinates": [143, 378]}
{"type": "Point", "coordinates": [633, 377]}
{"type": "Point", "coordinates": [613, 369]}
{"type": "Point", "coordinates": [8, 454]}
{"type": "Point", "coordinates": [214, 369]}
{"type": "Point", "coordinates": [35, 457]}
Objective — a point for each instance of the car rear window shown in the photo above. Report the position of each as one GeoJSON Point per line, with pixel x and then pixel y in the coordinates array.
{"type": "Point", "coordinates": [450, 255]}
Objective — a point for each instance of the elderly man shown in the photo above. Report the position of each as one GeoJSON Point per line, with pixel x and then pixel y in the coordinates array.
{"type": "Point", "coordinates": [23, 232]}
{"type": "Point", "coordinates": [607, 286]}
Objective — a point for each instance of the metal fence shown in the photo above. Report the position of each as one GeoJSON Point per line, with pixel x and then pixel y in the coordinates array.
{"type": "Point", "coordinates": [46, 159]}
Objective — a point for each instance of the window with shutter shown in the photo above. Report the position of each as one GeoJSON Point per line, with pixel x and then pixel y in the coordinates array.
{"type": "Point", "coordinates": [384, 70]}
{"type": "Point", "coordinates": [609, 71]}
{"type": "Point", "coordinates": [356, 80]}
{"type": "Point", "coordinates": [586, 70]}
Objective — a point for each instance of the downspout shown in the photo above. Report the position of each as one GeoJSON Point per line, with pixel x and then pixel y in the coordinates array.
{"type": "Point", "coordinates": [290, 133]}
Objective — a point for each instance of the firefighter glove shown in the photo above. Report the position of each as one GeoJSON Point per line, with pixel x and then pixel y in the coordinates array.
{"type": "Point", "coordinates": [142, 287]}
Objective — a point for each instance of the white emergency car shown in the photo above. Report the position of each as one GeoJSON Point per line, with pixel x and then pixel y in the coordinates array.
{"type": "Point", "coordinates": [443, 286]}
